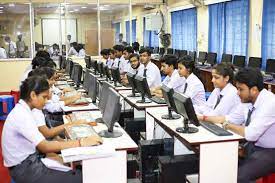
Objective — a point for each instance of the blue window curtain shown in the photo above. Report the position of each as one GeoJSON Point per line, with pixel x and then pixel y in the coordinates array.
{"type": "Point", "coordinates": [184, 29]}
{"type": "Point", "coordinates": [134, 25]}
{"type": "Point", "coordinates": [229, 28]}
{"type": "Point", "coordinates": [150, 38]}
{"type": "Point", "coordinates": [117, 30]}
{"type": "Point", "coordinates": [268, 32]}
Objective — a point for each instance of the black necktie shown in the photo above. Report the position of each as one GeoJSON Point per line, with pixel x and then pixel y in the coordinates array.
{"type": "Point", "coordinates": [218, 101]}
{"type": "Point", "coordinates": [118, 64]}
{"type": "Point", "coordinates": [145, 72]}
{"type": "Point", "coordinates": [185, 87]}
{"type": "Point", "coordinates": [248, 120]}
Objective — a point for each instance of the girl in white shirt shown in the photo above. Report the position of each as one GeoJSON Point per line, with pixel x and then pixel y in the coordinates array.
{"type": "Point", "coordinates": [23, 145]}
{"type": "Point", "coordinates": [224, 97]}
{"type": "Point", "coordinates": [193, 87]}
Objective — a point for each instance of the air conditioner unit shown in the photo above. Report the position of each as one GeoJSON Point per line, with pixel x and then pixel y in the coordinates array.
{"type": "Point", "coordinates": [153, 22]}
{"type": "Point", "coordinates": [149, 6]}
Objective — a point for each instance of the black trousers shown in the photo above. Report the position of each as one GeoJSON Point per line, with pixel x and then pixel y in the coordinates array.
{"type": "Point", "coordinates": [260, 163]}
{"type": "Point", "coordinates": [32, 170]}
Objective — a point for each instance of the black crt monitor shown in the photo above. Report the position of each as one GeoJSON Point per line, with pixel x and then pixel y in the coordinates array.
{"type": "Point", "coordinates": [111, 115]}
{"type": "Point", "coordinates": [143, 88]}
{"type": "Point", "coordinates": [77, 74]}
{"type": "Point", "coordinates": [270, 66]}
{"type": "Point", "coordinates": [168, 97]}
{"type": "Point", "coordinates": [92, 92]}
{"type": "Point", "coordinates": [116, 76]}
{"type": "Point", "coordinates": [132, 83]}
{"type": "Point", "coordinates": [185, 108]}
{"type": "Point", "coordinates": [88, 61]}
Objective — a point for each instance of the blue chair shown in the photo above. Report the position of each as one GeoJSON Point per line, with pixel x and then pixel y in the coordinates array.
{"type": "Point", "coordinates": [6, 105]}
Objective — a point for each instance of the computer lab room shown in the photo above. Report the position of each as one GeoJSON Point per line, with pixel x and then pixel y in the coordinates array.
{"type": "Point", "coordinates": [137, 91]}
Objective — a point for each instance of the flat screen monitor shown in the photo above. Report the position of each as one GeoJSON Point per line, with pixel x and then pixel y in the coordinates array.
{"type": "Point", "coordinates": [116, 76]}
{"type": "Point", "coordinates": [94, 66]}
{"type": "Point", "coordinates": [185, 108]}
{"type": "Point", "coordinates": [168, 97]}
{"type": "Point", "coordinates": [107, 73]}
{"type": "Point", "coordinates": [132, 83]}
{"type": "Point", "coordinates": [92, 92]}
{"type": "Point", "coordinates": [111, 115]}
{"type": "Point", "coordinates": [86, 81]}
{"type": "Point", "coordinates": [143, 88]}
{"type": "Point", "coordinates": [88, 61]}
{"type": "Point", "coordinates": [100, 68]}
{"type": "Point", "coordinates": [77, 75]}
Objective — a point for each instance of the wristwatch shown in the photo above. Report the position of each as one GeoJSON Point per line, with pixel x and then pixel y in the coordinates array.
{"type": "Point", "coordinates": [225, 124]}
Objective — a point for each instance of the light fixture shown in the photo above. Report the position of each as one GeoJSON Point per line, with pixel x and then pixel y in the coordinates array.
{"type": "Point", "coordinates": [83, 7]}
{"type": "Point", "coordinates": [11, 5]}
{"type": "Point", "coordinates": [76, 10]}
{"type": "Point", "coordinates": [1, 7]}
{"type": "Point", "coordinates": [71, 11]}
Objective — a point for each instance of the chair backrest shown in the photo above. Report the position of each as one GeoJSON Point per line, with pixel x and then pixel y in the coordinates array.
{"type": "Point", "coordinates": [226, 58]}
{"type": "Point", "coordinates": [211, 58]}
{"type": "Point", "coordinates": [193, 55]}
{"type": "Point", "coordinates": [255, 62]}
{"type": "Point", "coordinates": [239, 61]}
{"type": "Point", "coordinates": [202, 56]}
{"type": "Point", "coordinates": [270, 65]}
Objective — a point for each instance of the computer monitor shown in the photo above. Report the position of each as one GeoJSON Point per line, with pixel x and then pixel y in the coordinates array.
{"type": "Point", "coordinates": [88, 61]}
{"type": "Point", "coordinates": [168, 97]}
{"type": "Point", "coordinates": [77, 75]}
{"type": "Point", "coordinates": [116, 76]}
{"type": "Point", "coordinates": [143, 88]}
{"type": "Point", "coordinates": [131, 80]}
{"type": "Point", "coordinates": [111, 115]}
{"type": "Point", "coordinates": [106, 71]}
{"type": "Point", "coordinates": [62, 62]}
{"type": "Point", "coordinates": [86, 81]}
{"type": "Point", "coordinates": [92, 92]}
{"type": "Point", "coordinates": [185, 108]}
{"type": "Point", "coordinates": [103, 98]}
{"type": "Point", "coordinates": [94, 66]}
{"type": "Point", "coordinates": [100, 68]}
{"type": "Point", "coordinates": [69, 67]}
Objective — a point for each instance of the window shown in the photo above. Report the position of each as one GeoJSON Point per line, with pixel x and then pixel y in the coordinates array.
{"type": "Point", "coordinates": [117, 30]}
{"type": "Point", "coordinates": [268, 31]}
{"type": "Point", "coordinates": [133, 31]}
{"type": "Point", "coordinates": [150, 38]}
{"type": "Point", "coordinates": [184, 29]}
{"type": "Point", "coordinates": [228, 28]}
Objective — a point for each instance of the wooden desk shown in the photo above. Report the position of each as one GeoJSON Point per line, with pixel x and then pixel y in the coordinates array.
{"type": "Point", "coordinates": [206, 78]}
{"type": "Point", "coordinates": [113, 168]}
{"type": "Point", "coordinates": [218, 155]}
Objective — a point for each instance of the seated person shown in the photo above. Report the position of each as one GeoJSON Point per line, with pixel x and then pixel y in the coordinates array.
{"type": "Point", "coordinates": [193, 87]}
{"type": "Point", "coordinates": [73, 49]}
{"type": "Point", "coordinates": [126, 54]}
{"type": "Point", "coordinates": [105, 54]}
{"type": "Point", "coordinates": [81, 50]}
{"type": "Point", "coordinates": [173, 80]}
{"type": "Point", "coordinates": [135, 46]}
{"type": "Point", "coordinates": [255, 121]}
{"type": "Point", "coordinates": [120, 61]}
{"type": "Point", "coordinates": [135, 66]}
{"type": "Point", "coordinates": [224, 97]}
{"type": "Point", "coordinates": [149, 69]}
{"type": "Point", "coordinates": [23, 146]}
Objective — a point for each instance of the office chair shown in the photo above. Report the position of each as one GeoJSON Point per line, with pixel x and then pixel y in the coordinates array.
{"type": "Point", "coordinates": [255, 62]}
{"type": "Point", "coordinates": [270, 66]}
{"type": "Point", "coordinates": [170, 51]}
{"type": "Point", "coordinates": [193, 55]}
{"type": "Point", "coordinates": [226, 58]}
{"type": "Point", "coordinates": [211, 58]}
{"type": "Point", "coordinates": [239, 61]}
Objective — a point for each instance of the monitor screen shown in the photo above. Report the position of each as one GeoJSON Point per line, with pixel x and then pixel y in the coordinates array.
{"type": "Point", "coordinates": [168, 96]}
{"type": "Point", "coordinates": [131, 79]}
{"type": "Point", "coordinates": [77, 75]}
{"type": "Point", "coordinates": [142, 86]}
{"type": "Point", "coordinates": [103, 98]}
{"type": "Point", "coordinates": [107, 72]}
{"type": "Point", "coordinates": [185, 108]}
{"type": "Point", "coordinates": [86, 81]}
{"type": "Point", "coordinates": [92, 92]}
{"type": "Point", "coordinates": [88, 61]}
{"type": "Point", "coordinates": [116, 74]}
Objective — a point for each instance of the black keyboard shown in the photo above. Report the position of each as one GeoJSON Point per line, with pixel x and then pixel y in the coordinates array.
{"type": "Point", "coordinates": [158, 100]}
{"type": "Point", "coordinates": [215, 129]}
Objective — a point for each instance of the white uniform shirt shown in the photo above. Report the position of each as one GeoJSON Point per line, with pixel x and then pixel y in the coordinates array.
{"type": "Point", "coordinates": [81, 53]}
{"type": "Point", "coordinates": [11, 49]}
{"type": "Point", "coordinates": [109, 63]}
{"type": "Point", "coordinates": [39, 117]}
{"type": "Point", "coordinates": [72, 51]}
{"type": "Point", "coordinates": [54, 104]}
{"type": "Point", "coordinates": [195, 90]}
{"type": "Point", "coordinates": [121, 63]}
{"type": "Point", "coordinates": [262, 126]}
{"type": "Point", "coordinates": [228, 101]}
{"type": "Point", "coordinates": [3, 53]}
{"type": "Point", "coordinates": [20, 135]}
{"type": "Point", "coordinates": [175, 81]}
{"type": "Point", "coordinates": [152, 74]}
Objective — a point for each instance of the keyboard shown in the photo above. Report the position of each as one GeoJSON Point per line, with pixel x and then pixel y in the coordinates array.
{"type": "Point", "coordinates": [219, 131]}
{"type": "Point", "coordinates": [268, 78]}
{"type": "Point", "coordinates": [158, 100]}
{"type": "Point", "coordinates": [80, 131]}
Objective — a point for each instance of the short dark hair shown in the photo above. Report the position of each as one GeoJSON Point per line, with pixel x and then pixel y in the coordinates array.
{"type": "Point", "coordinates": [225, 69]}
{"type": "Point", "coordinates": [135, 46]}
{"type": "Point", "coordinates": [37, 61]}
{"type": "Point", "coordinates": [111, 50]}
{"type": "Point", "coordinates": [170, 60]}
{"type": "Point", "coordinates": [188, 63]}
{"type": "Point", "coordinates": [37, 84]}
{"type": "Point", "coordinates": [105, 52]}
{"type": "Point", "coordinates": [147, 50]}
{"type": "Point", "coordinates": [129, 49]}
{"type": "Point", "coordinates": [118, 48]}
{"type": "Point", "coordinates": [50, 63]}
{"type": "Point", "coordinates": [43, 71]}
{"type": "Point", "coordinates": [134, 55]}
{"type": "Point", "coordinates": [250, 77]}
{"type": "Point", "coordinates": [43, 53]}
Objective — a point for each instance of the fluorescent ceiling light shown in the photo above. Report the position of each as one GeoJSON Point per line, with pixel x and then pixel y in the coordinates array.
{"type": "Point", "coordinates": [76, 10]}
{"type": "Point", "coordinates": [1, 7]}
{"type": "Point", "coordinates": [83, 7]}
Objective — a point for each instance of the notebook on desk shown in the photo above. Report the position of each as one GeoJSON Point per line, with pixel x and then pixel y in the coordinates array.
{"type": "Point", "coordinates": [80, 131]}
{"type": "Point", "coordinates": [82, 115]}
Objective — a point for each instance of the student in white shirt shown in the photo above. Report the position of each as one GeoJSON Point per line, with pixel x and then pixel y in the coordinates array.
{"type": "Point", "coordinates": [128, 68]}
{"type": "Point", "coordinates": [72, 50]}
{"type": "Point", "coordinates": [193, 87]}
{"type": "Point", "coordinates": [3, 53]}
{"type": "Point", "coordinates": [11, 48]}
{"type": "Point", "coordinates": [149, 69]}
{"type": "Point", "coordinates": [112, 57]}
{"type": "Point", "coordinates": [23, 145]}
{"type": "Point", "coordinates": [81, 52]}
{"type": "Point", "coordinates": [135, 66]}
{"type": "Point", "coordinates": [224, 97]}
{"type": "Point", "coordinates": [255, 121]}
{"type": "Point", "coordinates": [105, 54]}
{"type": "Point", "coordinates": [173, 80]}
{"type": "Point", "coordinates": [120, 61]}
